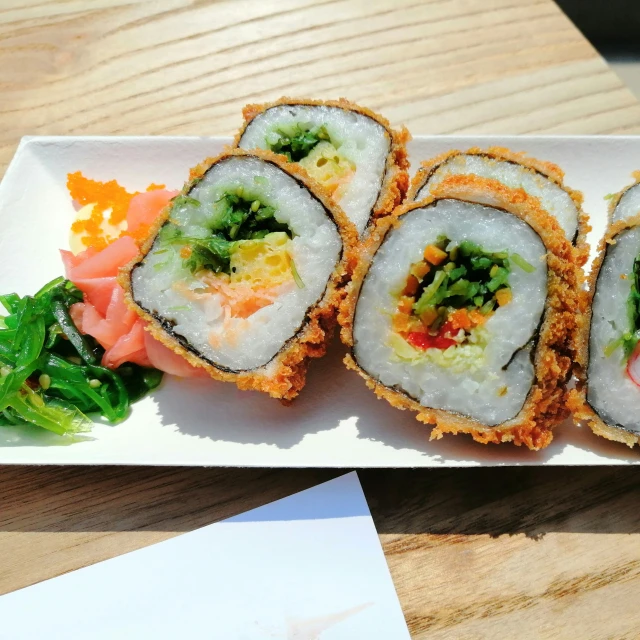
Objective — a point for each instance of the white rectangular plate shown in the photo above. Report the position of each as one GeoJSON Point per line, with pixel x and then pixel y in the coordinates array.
{"type": "Point", "coordinates": [337, 421]}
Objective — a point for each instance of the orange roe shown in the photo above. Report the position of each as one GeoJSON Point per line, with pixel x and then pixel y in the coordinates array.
{"type": "Point", "coordinates": [91, 225]}
{"type": "Point", "coordinates": [95, 242]}
{"type": "Point", "coordinates": [104, 196]}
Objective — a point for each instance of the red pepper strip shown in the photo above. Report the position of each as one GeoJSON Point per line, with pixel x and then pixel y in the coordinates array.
{"type": "Point", "coordinates": [448, 330]}
{"type": "Point", "coordinates": [633, 366]}
{"type": "Point", "coordinates": [440, 342]}
{"type": "Point", "coordinates": [424, 341]}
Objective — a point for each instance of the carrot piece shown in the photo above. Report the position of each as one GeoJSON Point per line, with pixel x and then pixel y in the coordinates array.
{"type": "Point", "coordinates": [411, 287]}
{"type": "Point", "coordinates": [504, 296]}
{"type": "Point", "coordinates": [460, 319]}
{"type": "Point", "coordinates": [420, 270]}
{"type": "Point", "coordinates": [405, 305]}
{"type": "Point", "coordinates": [434, 255]}
{"type": "Point", "coordinates": [477, 318]}
{"type": "Point", "coordinates": [402, 323]}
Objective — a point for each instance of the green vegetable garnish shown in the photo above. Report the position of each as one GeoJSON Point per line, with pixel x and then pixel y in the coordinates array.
{"type": "Point", "coordinates": [49, 376]}
{"type": "Point", "coordinates": [429, 293]}
{"type": "Point", "coordinates": [629, 339]}
{"type": "Point", "coordinates": [520, 262]}
{"type": "Point", "coordinates": [480, 262]}
{"type": "Point", "coordinates": [212, 254]}
{"type": "Point", "coordinates": [296, 275]}
{"type": "Point", "coordinates": [458, 272]}
{"type": "Point", "coordinates": [633, 302]}
{"type": "Point", "coordinates": [500, 277]}
{"type": "Point", "coordinates": [487, 307]}
{"type": "Point", "coordinates": [296, 141]}
{"type": "Point", "coordinates": [612, 346]}
{"type": "Point", "coordinates": [182, 200]}
{"type": "Point", "coordinates": [464, 288]}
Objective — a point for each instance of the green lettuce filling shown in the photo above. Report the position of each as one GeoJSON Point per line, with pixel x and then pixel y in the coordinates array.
{"type": "Point", "coordinates": [630, 338]}
{"type": "Point", "coordinates": [234, 218]}
{"type": "Point", "coordinates": [468, 278]}
{"type": "Point", "coordinates": [296, 141]}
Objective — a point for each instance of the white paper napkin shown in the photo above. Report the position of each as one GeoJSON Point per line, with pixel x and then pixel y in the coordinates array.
{"type": "Point", "coordinates": [306, 567]}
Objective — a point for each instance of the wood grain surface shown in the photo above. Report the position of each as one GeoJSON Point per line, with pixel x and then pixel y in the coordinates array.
{"type": "Point", "coordinates": [475, 554]}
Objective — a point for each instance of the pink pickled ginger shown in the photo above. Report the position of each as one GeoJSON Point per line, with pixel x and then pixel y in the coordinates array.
{"type": "Point", "coordinates": [104, 313]}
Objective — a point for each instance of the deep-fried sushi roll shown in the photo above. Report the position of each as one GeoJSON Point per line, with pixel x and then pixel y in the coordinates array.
{"type": "Point", "coordinates": [350, 150]}
{"type": "Point", "coordinates": [462, 308]}
{"type": "Point", "coordinates": [243, 272]}
{"type": "Point", "coordinates": [542, 180]}
{"type": "Point", "coordinates": [608, 393]}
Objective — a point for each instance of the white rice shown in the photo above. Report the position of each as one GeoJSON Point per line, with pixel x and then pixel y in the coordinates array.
{"type": "Point", "coordinates": [553, 198]}
{"type": "Point", "coordinates": [629, 204]}
{"type": "Point", "coordinates": [315, 250]}
{"type": "Point", "coordinates": [476, 394]}
{"type": "Point", "coordinates": [611, 393]}
{"type": "Point", "coordinates": [360, 139]}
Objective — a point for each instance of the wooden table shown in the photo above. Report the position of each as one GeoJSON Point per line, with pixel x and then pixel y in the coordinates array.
{"type": "Point", "coordinates": [504, 553]}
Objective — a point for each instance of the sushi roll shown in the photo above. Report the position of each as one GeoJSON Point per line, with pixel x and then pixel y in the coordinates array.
{"type": "Point", "coordinates": [244, 270]}
{"type": "Point", "coordinates": [607, 396]}
{"type": "Point", "coordinates": [350, 150]}
{"type": "Point", "coordinates": [542, 180]}
{"type": "Point", "coordinates": [462, 308]}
